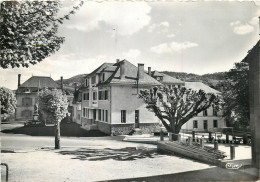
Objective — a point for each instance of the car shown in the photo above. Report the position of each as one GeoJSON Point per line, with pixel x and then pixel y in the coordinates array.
{"type": "Point", "coordinates": [33, 123]}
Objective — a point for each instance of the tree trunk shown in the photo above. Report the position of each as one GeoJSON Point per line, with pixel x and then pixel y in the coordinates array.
{"type": "Point", "coordinates": [175, 129]}
{"type": "Point", "coordinates": [57, 136]}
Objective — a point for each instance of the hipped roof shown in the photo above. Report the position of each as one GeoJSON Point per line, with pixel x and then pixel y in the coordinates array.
{"type": "Point", "coordinates": [200, 86]}
{"type": "Point", "coordinates": [40, 81]}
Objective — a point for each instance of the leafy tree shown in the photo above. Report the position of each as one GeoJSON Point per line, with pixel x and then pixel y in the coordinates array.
{"type": "Point", "coordinates": [236, 96]}
{"type": "Point", "coordinates": [54, 105]}
{"type": "Point", "coordinates": [28, 31]}
{"type": "Point", "coordinates": [8, 103]}
{"type": "Point", "coordinates": [174, 107]}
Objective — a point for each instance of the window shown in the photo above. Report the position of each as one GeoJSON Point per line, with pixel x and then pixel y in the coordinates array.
{"type": "Point", "coordinates": [205, 113]}
{"type": "Point", "coordinates": [94, 95]}
{"type": "Point", "coordinates": [106, 114]}
{"type": "Point", "coordinates": [86, 82]}
{"type": "Point", "coordinates": [100, 95]}
{"type": "Point", "coordinates": [215, 123]}
{"type": "Point", "coordinates": [205, 124]}
{"type": "Point", "coordinates": [123, 116]}
{"type": "Point", "coordinates": [99, 114]}
{"type": "Point", "coordinates": [86, 96]}
{"type": "Point", "coordinates": [103, 115]}
{"type": "Point", "coordinates": [84, 112]}
{"type": "Point", "coordinates": [195, 124]}
{"type": "Point", "coordinates": [103, 77]}
{"type": "Point", "coordinates": [93, 79]}
{"type": "Point", "coordinates": [106, 95]}
{"type": "Point", "coordinates": [215, 113]}
{"type": "Point", "coordinates": [27, 101]}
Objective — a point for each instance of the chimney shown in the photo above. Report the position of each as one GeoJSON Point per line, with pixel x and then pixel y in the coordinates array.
{"type": "Point", "coordinates": [122, 70]}
{"type": "Point", "coordinates": [149, 71]}
{"type": "Point", "coordinates": [117, 60]}
{"type": "Point", "coordinates": [19, 80]}
{"type": "Point", "coordinates": [140, 73]}
{"type": "Point", "coordinates": [61, 83]}
{"type": "Point", "coordinates": [75, 87]}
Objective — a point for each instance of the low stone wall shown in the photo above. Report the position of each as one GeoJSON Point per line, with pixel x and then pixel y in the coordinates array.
{"type": "Point", "coordinates": [148, 128]}
{"type": "Point", "coordinates": [86, 121]}
{"type": "Point", "coordinates": [121, 129]}
{"type": "Point", "coordinates": [104, 127]}
{"type": "Point", "coordinates": [125, 129]}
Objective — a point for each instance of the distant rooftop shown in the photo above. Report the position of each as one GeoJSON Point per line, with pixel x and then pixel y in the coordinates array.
{"type": "Point", "coordinates": [200, 86]}
{"type": "Point", "coordinates": [40, 81]}
{"type": "Point", "coordinates": [170, 80]}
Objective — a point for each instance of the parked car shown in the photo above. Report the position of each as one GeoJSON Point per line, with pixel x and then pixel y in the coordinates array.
{"type": "Point", "coordinates": [33, 123]}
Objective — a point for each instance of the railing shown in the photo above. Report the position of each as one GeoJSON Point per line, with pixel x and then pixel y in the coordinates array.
{"type": "Point", "coordinates": [7, 171]}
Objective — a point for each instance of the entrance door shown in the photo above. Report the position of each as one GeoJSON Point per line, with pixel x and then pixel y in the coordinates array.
{"type": "Point", "coordinates": [205, 124]}
{"type": "Point", "coordinates": [94, 115]}
{"type": "Point", "coordinates": [136, 118]}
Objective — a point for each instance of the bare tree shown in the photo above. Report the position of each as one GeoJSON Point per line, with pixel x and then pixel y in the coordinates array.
{"type": "Point", "coordinates": [174, 107]}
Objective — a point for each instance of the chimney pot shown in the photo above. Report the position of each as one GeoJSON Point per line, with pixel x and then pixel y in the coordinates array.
{"type": "Point", "coordinates": [19, 80]}
{"type": "Point", "coordinates": [140, 73]}
{"type": "Point", "coordinates": [149, 71]}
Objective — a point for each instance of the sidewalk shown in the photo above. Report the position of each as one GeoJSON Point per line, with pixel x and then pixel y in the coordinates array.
{"type": "Point", "coordinates": [94, 163]}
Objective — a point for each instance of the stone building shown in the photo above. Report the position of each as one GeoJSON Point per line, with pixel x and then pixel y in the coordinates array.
{"type": "Point", "coordinates": [26, 94]}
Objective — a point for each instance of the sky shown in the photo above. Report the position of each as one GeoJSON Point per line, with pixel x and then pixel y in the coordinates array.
{"type": "Point", "coordinates": [192, 37]}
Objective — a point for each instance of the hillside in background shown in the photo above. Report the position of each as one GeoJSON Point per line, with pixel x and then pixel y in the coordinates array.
{"type": "Point", "coordinates": [193, 77]}
{"type": "Point", "coordinates": [211, 79]}
{"type": "Point", "coordinates": [80, 79]}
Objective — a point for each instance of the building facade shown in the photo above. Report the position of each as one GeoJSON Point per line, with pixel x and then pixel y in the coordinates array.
{"type": "Point", "coordinates": [110, 101]}
{"type": "Point", "coordinates": [209, 120]}
{"type": "Point", "coordinates": [26, 95]}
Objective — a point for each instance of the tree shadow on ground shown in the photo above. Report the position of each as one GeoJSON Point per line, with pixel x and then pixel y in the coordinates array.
{"type": "Point", "coordinates": [122, 154]}
{"type": "Point", "coordinates": [204, 175]}
{"type": "Point", "coordinates": [67, 129]}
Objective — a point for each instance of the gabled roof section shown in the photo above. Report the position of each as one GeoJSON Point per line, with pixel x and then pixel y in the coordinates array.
{"type": "Point", "coordinates": [100, 68]}
{"type": "Point", "coordinates": [200, 86]}
{"type": "Point", "coordinates": [170, 80]}
{"type": "Point", "coordinates": [156, 73]}
{"type": "Point", "coordinates": [110, 69]}
{"type": "Point", "coordinates": [130, 76]}
{"type": "Point", "coordinates": [40, 81]}
{"type": "Point", "coordinates": [252, 53]}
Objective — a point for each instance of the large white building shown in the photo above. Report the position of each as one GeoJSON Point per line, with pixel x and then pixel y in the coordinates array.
{"type": "Point", "coordinates": [110, 101]}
